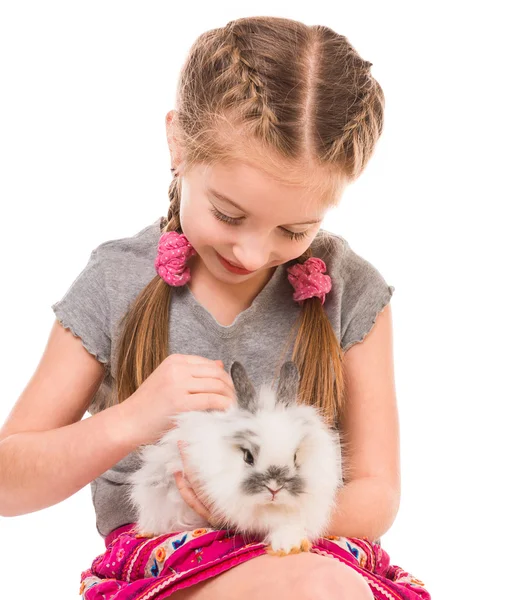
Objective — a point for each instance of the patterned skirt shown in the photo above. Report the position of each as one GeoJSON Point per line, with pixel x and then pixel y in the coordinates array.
{"type": "Point", "coordinates": [149, 568]}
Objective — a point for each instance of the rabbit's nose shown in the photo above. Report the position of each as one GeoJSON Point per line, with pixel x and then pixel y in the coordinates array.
{"type": "Point", "coordinates": [274, 492]}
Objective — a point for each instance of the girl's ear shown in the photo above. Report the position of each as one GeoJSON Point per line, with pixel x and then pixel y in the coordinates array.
{"type": "Point", "coordinates": [245, 392]}
{"type": "Point", "coordinates": [288, 386]}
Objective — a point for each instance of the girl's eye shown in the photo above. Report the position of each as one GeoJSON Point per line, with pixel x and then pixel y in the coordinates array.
{"type": "Point", "coordinates": [225, 218]}
{"type": "Point", "coordinates": [293, 235]}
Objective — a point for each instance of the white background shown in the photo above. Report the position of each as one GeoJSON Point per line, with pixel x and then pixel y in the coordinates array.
{"type": "Point", "coordinates": [86, 87]}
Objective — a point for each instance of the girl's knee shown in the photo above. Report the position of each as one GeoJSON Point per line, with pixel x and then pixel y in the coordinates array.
{"type": "Point", "coordinates": [333, 580]}
{"type": "Point", "coordinates": [305, 576]}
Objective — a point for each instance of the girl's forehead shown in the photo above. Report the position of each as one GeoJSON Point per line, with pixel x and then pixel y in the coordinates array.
{"type": "Point", "coordinates": [275, 172]}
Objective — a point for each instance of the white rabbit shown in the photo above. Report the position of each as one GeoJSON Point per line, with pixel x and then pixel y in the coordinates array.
{"type": "Point", "coordinates": [267, 466]}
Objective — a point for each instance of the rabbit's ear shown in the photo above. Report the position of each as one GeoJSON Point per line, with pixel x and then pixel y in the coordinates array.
{"type": "Point", "coordinates": [288, 386]}
{"type": "Point", "coordinates": [245, 392]}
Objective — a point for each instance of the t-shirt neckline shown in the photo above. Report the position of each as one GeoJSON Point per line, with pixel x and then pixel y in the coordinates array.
{"type": "Point", "coordinates": [260, 301]}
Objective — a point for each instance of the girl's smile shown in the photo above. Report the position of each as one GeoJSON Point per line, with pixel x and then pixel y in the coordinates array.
{"type": "Point", "coordinates": [232, 267]}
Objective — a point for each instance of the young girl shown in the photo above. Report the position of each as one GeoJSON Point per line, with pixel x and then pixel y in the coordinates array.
{"type": "Point", "coordinates": [274, 118]}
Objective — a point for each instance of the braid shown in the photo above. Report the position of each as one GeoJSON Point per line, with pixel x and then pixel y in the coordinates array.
{"type": "Point", "coordinates": [250, 90]}
{"type": "Point", "coordinates": [357, 126]}
{"type": "Point", "coordinates": [172, 222]}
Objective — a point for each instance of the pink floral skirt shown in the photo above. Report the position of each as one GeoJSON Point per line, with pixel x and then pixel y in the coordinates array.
{"type": "Point", "coordinates": [149, 568]}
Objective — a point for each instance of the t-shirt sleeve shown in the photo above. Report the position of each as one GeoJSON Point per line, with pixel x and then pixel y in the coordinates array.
{"type": "Point", "coordinates": [85, 309]}
{"type": "Point", "coordinates": [365, 295]}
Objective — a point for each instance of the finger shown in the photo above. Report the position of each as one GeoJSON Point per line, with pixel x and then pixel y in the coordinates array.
{"type": "Point", "coordinates": [210, 382]}
{"type": "Point", "coordinates": [187, 473]}
{"type": "Point", "coordinates": [195, 359]}
{"type": "Point", "coordinates": [212, 373]}
{"type": "Point", "coordinates": [188, 495]}
{"type": "Point", "coordinates": [227, 375]}
{"type": "Point", "coordinates": [206, 401]}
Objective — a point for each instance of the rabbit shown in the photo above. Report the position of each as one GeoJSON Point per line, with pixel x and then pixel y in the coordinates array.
{"type": "Point", "coordinates": [267, 466]}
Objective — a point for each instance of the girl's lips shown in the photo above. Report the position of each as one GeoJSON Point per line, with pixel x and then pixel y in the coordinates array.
{"type": "Point", "coordinates": [232, 267]}
{"type": "Point", "coordinates": [234, 264]}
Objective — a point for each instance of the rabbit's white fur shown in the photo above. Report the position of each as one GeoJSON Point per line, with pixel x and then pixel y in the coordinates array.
{"type": "Point", "coordinates": [235, 491]}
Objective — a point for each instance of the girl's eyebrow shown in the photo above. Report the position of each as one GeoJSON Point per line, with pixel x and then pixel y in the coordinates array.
{"type": "Point", "coordinates": [224, 198]}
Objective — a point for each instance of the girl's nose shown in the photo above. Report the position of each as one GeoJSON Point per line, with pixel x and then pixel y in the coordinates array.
{"type": "Point", "coordinates": [251, 261]}
{"type": "Point", "coordinates": [253, 251]}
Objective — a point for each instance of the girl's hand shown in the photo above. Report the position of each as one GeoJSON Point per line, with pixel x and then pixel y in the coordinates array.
{"type": "Point", "coordinates": [189, 492]}
{"type": "Point", "coordinates": [182, 382]}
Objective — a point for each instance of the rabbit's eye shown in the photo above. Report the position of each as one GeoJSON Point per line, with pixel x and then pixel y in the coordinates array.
{"type": "Point", "coordinates": [247, 456]}
{"type": "Point", "coordinates": [295, 459]}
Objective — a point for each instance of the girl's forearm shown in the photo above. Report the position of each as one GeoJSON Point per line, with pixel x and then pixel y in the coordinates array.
{"type": "Point", "coordinates": [41, 468]}
{"type": "Point", "coordinates": [366, 507]}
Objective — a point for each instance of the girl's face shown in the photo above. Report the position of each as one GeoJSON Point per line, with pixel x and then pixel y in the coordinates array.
{"type": "Point", "coordinates": [263, 224]}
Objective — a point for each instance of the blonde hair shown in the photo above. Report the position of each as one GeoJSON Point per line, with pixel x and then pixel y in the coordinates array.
{"type": "Point", "coordinates": [293, 99]}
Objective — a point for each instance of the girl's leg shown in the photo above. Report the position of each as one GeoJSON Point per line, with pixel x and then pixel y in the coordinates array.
{"type": "Point", "coordinates": [293, 577]}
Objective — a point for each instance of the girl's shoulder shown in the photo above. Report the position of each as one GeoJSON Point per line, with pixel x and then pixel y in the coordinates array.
{"type": "Point", "coordinates": [139, 246]}
{"type": "Point", "coordinates": [124, 264]}
{"type": "Point", "coordinates": [342, 262]}
{"type": "Point", "coordinates": [359, 290]}
{"type": "Point", "coordinates": [102, 290]}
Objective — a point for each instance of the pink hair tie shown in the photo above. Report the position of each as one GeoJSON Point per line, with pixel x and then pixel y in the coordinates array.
{"type": "Point", "coordinates": [308, 280]}
{"type": "Point", "coordinates": [174, 250]}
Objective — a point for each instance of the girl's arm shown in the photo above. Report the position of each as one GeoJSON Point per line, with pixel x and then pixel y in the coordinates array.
{"type": "Point", "coordinates": [47, 452]}
{"type": "Point", "coordinates": [41, 468]}
{"type": "Point", "coordinates": [366, 507]}
{"type": "Point", "coordinates": [369, 501]}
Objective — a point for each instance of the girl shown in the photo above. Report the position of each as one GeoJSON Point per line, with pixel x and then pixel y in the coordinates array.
{"type": "Point", "coordinates": [274, 119]}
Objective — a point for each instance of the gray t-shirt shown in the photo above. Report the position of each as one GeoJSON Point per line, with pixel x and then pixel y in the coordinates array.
{"type": "Point", "coordinates": [117, 270]}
